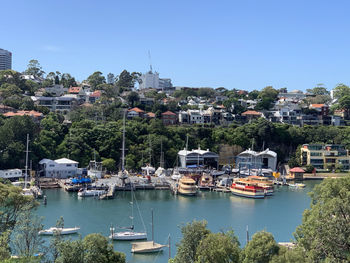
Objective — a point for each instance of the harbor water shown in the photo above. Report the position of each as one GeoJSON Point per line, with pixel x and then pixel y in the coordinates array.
{"type": "Point", "coordinates": [279, 214]}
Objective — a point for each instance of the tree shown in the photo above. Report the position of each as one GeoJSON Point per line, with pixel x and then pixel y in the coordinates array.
{"type": "Point", "coordinates": [110, 78]}
{"type": "Point", "coordinates": [324, 232]}
{"type": "Point", "coordinates": [56, 239]}
{"type": "Point", "coordinates": [132, 98]}
{"type": "Point", "coordinates": [218, 248]}
{"type": "Point", "coordinates": [109, 164]}
{"type": "Point", "coordinates": [94, 248]}
{"type": "Point", "coordinates": [340, 91]}
{"type": "Point", "coordinates": [318, 90]}
{"type": "Point", "coordinates": [34, 68]}
{"type": "Point", "coordinates": [27, 241]}
{"type": "Point", "coordinates": [295, 255]}
{"type": "Point", "coordinates": [192, 234]}
{"type": "Point", "coordinates": [344, 103]}
{"type": "Point", "coordinates": [125, 80]}
{"type": "Point", "coordinates": [261, 248]}
{"type": "Point", "coordinates": [4, 245]}
{"type": "Point", "coordinates": [96, 79]}
{"type": "Point", "coordinates": [12, 204]}
{"type": "Point", "coordinates": [67, 80]}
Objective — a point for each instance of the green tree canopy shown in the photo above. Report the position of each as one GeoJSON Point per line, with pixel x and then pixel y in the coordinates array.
{"type": "Point", "coordinates": [324, 231]}
{"type": "Point", "coordinates": [34, 68]}
{"type": "Point", "coordinates": [192, 234]}
{"type": "Point", "coordinates": [96, 79]}
{"type": "Point", "coordinates": [261, 248]}
{"type": "Point", "coordinates": [219, 248]}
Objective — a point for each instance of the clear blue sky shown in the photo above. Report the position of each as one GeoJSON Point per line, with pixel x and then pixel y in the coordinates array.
{"type": "Point", "coordinates": [236, 44]}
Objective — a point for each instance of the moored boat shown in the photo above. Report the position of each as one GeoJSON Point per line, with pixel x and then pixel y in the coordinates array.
{"type": "Point", "coordinates": [61, 231]}
{"type": "Point", "coordinates": [92, 192]}
{"type": "Point", "coordinates": [187, 186]}
{"type": "Point", "coordinates": [264, 182]}
{"type": "Point", "coordinates": [146, 247]}
{"type": "Point", "coordinates": [245, 188]}
{"type": "Point", "coordinates": [206, 182]}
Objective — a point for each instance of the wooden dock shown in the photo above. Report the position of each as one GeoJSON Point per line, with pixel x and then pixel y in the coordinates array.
{"type": "Point", "coordinates": [109, 194]}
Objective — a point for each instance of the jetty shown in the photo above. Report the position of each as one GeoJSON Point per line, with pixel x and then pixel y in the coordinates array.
{"type": "Point", "coordinates": [109, 194]}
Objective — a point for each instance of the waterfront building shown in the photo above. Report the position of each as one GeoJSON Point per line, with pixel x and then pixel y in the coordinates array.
{"type": "Point", "coordinates": [60, 168]}
{"type": "Point", "coordinates": [198, 157]}
{"type": "Point", "coordinates": [5, 59]}
{"type": "Point", "coordinates": [250, 159]}
{"type": "Point", "coordinates": [252, 114]}
{"type": "Point", "coordinates": [325, 156]}
{"type": "Point", "coordinates": [297, 173]}
{"type": "Point", "coordinates": [11, 174]}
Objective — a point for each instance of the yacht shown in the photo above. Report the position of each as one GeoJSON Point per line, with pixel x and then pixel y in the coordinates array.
{"type": "Point", "coordinates": [62, 231]}
{"type": "Point", "coordinates": [246, 188]}
{"type": "Point", "coordinates": [129, 234]}
{"type": "Point", "coordinates": [176, 175]}
{"type": "Point", "coordinates": [92, 192]}
{"type": "Point", "coordinates": [187, 186]}
{"type": "Point", "coordinates": [206, 182]}
{"type": "Point", "coordinates": [147, 246]}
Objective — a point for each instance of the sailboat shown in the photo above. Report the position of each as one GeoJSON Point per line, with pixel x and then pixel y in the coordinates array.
{"type": "Point", "coordinates": [147, 246]}
{"type": "Point", "coordinates": [161, 172]}
{"type": "Point", "coordinates": [27, 191]}
{"type": "Point", "coordinates": [129, 234]}
{"type": "Point", "coordinates": [123, 174]}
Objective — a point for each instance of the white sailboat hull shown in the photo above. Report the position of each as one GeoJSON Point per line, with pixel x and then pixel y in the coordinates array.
{"type": "Point", "coordinates": [146, 247]}
{"type": "Point", "coordinates": [128, 235]}
{"type": "Point", "coordinates": [62, 231]}
{"type": "Point", "coordinates": [87, 193]}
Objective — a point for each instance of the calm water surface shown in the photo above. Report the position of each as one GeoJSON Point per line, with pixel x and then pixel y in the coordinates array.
{"type": "Point", "coordinates": [278, 214]}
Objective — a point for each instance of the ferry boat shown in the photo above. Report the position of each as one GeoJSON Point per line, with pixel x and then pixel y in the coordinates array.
{"type": "Point", "coordinates": [264, 182]}
{"type": "Point", "coordinates": [206, 182]}
{"type": "Point", "coordinates": [246, 188]}
{"type": "Point", "coordinates": [187, 186]}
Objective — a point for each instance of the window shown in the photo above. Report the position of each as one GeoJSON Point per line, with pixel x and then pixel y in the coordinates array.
{"type": "Point", "coordinates": [51, 165]}
{"type": "Point", "coordinates": [315, 154]}
{"type": "Point", "coordinates": [69, 165]}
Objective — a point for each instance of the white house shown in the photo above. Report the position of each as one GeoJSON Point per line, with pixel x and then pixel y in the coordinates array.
{"type": "Point", "coordinates": [60, 168]}
{"type": "Point", "coordinates": [195, 116]}
{"type": "Point", "coordinates": [11, 174]}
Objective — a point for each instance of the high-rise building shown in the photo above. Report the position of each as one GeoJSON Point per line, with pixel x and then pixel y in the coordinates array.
{"type": "Point", "coordinates": [152, 80]}
{"type": "Point", "coordinates": [5, 59]}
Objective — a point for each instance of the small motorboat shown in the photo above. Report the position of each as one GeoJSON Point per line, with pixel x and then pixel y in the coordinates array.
{"type": "Point", "coordinates": [61, 231]}
{"type": "Point", "coordinates": [146, 247]}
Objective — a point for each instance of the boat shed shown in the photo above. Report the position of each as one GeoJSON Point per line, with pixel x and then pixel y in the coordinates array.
{"type": "Point", "coordinates": [198, 157]}
{"type": "Point", "coordinates": [60, 168]}
{"type": "Point", "coordinates": [266, 159]}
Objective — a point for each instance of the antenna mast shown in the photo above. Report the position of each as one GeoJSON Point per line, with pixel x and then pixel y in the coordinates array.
{"type": "Point", "coordinates": [150, 61]}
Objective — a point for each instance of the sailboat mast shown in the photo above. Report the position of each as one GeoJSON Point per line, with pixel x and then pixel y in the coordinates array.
{"type": "Point", "coordinates": [161, 163]}
{"type": "Point", "coordinates": [152, 227]}
{"type": "Point", "coordinates": [26, 167]}
{"type": "Point", "coordinates": [150, 150]}
{"type": "Point", "coordinates": [132, 207]}
{"type": "Point", "coordinates": [123, 145]}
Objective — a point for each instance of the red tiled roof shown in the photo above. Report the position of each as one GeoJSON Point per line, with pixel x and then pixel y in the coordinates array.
{"type": "Point", "coordinates": [151, 114]}
{"type": "Point", "coordinates": [168, 113]}
{"type": "Point", "coordinates": [251, 112]}
{"type": "Point", "coordinates": [297, 170]}
{"type": "Point", "coordinates": [137, 110]}
{"type": "Point", "coordinates": [23, 113]}
{"type": "Point", "coordinates": [96, 93]}
{"type": "Point", "coordinates": [318, 105]}
{"type": "Point", "coordinates": [74, 90]}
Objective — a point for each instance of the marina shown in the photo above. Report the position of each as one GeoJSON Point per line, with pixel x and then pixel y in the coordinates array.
{"type": "Point", "coordinates": [278, 214]}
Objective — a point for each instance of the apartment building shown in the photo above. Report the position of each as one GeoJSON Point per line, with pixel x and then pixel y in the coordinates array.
{"type": "Point", "coordinates": [327, 156]}
{"type": "Point", "coordinates": [5, 59]}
